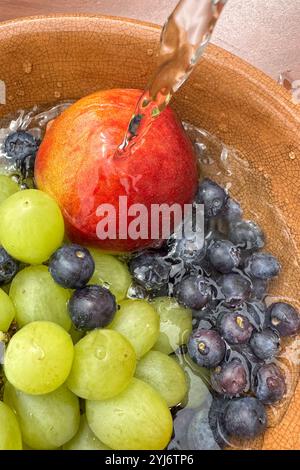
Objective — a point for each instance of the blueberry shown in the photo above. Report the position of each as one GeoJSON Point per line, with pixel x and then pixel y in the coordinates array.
{"type": "Point", "coordinates": [206, 348]}
{"type": "Point", "coordinates": [8, 267]}
{"type": "Point", "coordinates": [21, 148]}
{"type": "Point", "coordinates": [235, 328]}
{"type": "Point", "coordinates": [284, 318]}
{"type": "Point", "coordinates": [246, 234]}
{"type": "Point", "coordinates": [216, 420]}
{"type": "Point", "coordinates": [212, 196]}
{"type": "Point", "coordinates": [265, 344]}
{"type": "Point", "coordinates": [71, 266]}
{"type": "Point", "coordinates": [193, 292]}
{"type": "Point", "coordinates": [259, 288]}
{"type": "Point", "coordinates": [181, 423]}
{"type": "Point", "coordinates": [92, 307]}
{"type": "Point", "coordinates": [190, 250]}
{"type": "Point", "coordinates": [230, 378]}
{"type": "Point", "coordinates": [235, 288]}
{"type": "Point", "coordinates": [233, 211]}
{"type": "Point", "coordinates": [199, 433]}
{"type": "Point", "coordinates": [245, 418]}
{"type": "Point", "coordinates": [262, 266]}
{"type": "Point", "coordinates": [223, 255]}
{"type": "Point", "coordinates": [270, 385]}
{"type": "Point", "coordinates": [150, 269]}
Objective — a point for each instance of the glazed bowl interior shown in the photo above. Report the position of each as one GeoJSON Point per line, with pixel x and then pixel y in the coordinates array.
{"type": "Point", "coordinates": [50, 59]}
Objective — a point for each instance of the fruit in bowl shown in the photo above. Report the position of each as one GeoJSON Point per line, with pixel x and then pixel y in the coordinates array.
{"type": "Point", "coordinates": [78, 166]}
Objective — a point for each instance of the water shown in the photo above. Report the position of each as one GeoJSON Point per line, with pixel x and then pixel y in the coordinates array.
{"type": "Point", "coordinates": [290, 79]}
{"type": "Point", "coordinates": [226, 166]}
{"type": "Point", "coordinates": [184, 38]}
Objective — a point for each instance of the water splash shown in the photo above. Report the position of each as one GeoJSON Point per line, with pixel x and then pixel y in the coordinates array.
{"type": "Point", "coordinates": [184, 38]}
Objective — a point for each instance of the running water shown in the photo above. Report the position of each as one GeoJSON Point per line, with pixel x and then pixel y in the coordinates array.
{"type": "Point", "coordinates": [183, 40]}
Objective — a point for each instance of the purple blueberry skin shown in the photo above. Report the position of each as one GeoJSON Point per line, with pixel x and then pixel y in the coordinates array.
{"type": "Point", "coordinates": [246, 234]}
{"type": "Point", "coordinates": [223, 255]}
{"type": "Point", "coordinates": [262, 266]}
{"type": "Point", "coordinates": [8, 267]}
{"type": "Point", "coordinates": [284, 318]}
{"type": "Point", "coordinates": [270, 385]}
{"type": "Point", "coordinates": [150, 269]}
{"type": "Point", "coordinates": [193, 292]}
{"type": "Point", "coordinates": [230, 378]}
{"type": "Point", "coordinates": [235, 328]}
{"type": "Point", "coordinates": [206, 348]}
{"type": "Point", "coordinates": [213, 196]}
{"type": "Point", "coordinates": [235, 288]}
{"type": "Point", "coordinates": [92, 307]}
{"type": "Point", "coordinates": [71, 266]}
{"type": "Point", "coordinates": [245, 418]}
{"type": "Point", "coordinates": [265, 344]}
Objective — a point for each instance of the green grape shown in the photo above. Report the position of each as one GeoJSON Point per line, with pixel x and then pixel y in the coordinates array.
{"type": "Point", "coordinates": [10, 434]}
{"type": "Point", "coordinates": [111, 271]}
{"type": "Point", "coordinates": [136, 419]}
{"type": "Point", "coordinates": [32, 226]}
{"type": "Point", "coordinates": [104, 363]}
{"type": "Point", "coordinates": [85, 439]}
{"type": "Point", "coordinates": [37, 297]}
{"type": "Point", "coordinates": [198, 382]}
{"type": "Point", "coordinates": [46, 421]}
{"type": "Point", "coordinates": [165, 375]}
{"type": "Point", "coordinates": [7, 187]}
{"type": "Point", "coordinates": [138, 321]}
{"type": "Point", "coordinates": [175, 324]}
{"type": "Point", "coordinates": [39, 358]}
{"type": "Point", "coordinates": [7, 311]}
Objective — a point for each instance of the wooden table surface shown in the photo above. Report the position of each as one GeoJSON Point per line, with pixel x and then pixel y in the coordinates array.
{"type": "Point", "coordinates": [266, 33]}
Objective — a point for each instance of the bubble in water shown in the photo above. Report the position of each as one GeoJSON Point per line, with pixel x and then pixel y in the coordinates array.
{"type": "Point", "coordinates": [59, 84]}
{"type": "Point", "coordinates": [292, 155]}
{"type": "Point", "coordinates": [150, 52]}
{"type": "Point", "coordinates": [57, 94]}
{"type": "Point", "coordinates": [27, 66]}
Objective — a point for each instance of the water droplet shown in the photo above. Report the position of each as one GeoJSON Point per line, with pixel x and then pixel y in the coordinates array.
{"type": "Point", "coordinates": [57, 94]}
{"type": "Point", "coordinates": [150, 52]}
{"type": "Point", "coordinates": [100, 353]}
{"type": "Point", "coordinates": [38, 351]}
{"type": "Point", "coordinates": [59, 84]}
{"type": "Point", "coordinates": [27, 66]}
{"type": "Point", "coordinates": [292, 155]}
{"type": "Point", "coordinates": [10, 98]}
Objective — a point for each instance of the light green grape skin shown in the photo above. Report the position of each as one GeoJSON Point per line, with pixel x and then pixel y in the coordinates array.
{"type": "Point", "coordinates": [37, 297]}
{"type": "Point", "coordinates": [39, 358]}
{"type": "Point", "coordinates": [32, 226]}
{"type": "Point", "coordinates": [175, 324]}
{"type": "Point", "coordinates": [165, 375]}
{"type": "Point", "coordinates": [112, 272]}
{"type": "Point", "coordinates": [198, 382]}
{"type": "Point", "coordinates": [85, 439]}
{"type": "Point", "coordinates": [7, 187]}
{"type": "Point", "coordinates": [7, 311]}
{"type": "Point", "coordinates": [136, 419]}
{"type": "Point", "coordinates": [46, 421]}
{"type": "Point", "coordinates": [138, 321]}
{"type": "Point", "coordinates": [10, 434]}
{"type": "Point", "coordinates": [104, 363]}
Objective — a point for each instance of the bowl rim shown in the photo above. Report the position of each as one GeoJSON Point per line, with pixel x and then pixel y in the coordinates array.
{"type": "Point", "coordinates": [275, 92]}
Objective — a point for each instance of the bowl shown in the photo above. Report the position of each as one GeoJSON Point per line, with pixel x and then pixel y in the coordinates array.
{"type": "Point", "coordinates": [49, 59]}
